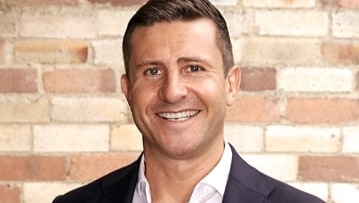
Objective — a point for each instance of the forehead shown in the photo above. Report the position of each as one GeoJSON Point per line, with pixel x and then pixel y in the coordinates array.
{"type": "Point", "coordinates": [199, 23]}
{"type": "Point", "coordinates": [176, 37]}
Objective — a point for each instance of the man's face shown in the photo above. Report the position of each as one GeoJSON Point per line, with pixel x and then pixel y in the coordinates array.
{"type": "Point", "coordinates": [176, 88]}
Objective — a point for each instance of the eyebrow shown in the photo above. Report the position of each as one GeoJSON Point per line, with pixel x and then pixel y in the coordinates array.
{"type": "Point", "coordinates": [149, 62]}
{"type": "Point", "coordinates": [193, 59]}
{"type": "Point", "coordinates": [179, 60]}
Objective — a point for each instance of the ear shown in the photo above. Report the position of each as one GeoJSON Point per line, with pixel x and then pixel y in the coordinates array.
{"type": "Point", "coordinates": [233, 82]}
{"type": "Point", "coordinates": [125, 86]}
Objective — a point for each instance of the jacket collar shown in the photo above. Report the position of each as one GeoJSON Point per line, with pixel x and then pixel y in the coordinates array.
{"type": "Point", "coordinates": [119, 185]}
{"type": "Point", "coordinates": [245, 183]}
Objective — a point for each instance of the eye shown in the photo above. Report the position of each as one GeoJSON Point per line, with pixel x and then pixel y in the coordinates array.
{"type": "Point", "coordinates": [153, 72]}
{"type": "Point", "coordinates": [194, 68]}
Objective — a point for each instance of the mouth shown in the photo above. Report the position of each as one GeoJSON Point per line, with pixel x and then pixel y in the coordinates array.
{"type": "Point", "coordinates": [178, 116]}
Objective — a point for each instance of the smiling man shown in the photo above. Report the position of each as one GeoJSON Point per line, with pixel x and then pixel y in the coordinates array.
{"type": "Point", "coordinates": [180, 78]}
{"type": "Point", "coordinates": [178, 94]}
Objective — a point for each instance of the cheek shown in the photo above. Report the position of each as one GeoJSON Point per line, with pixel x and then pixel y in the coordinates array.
{"type": "Point", "coordinates": [141, 95]}
{"type": "Point", "coordinates": [212, 93]}
{"type": "Point", "coordinates": [215, 87]}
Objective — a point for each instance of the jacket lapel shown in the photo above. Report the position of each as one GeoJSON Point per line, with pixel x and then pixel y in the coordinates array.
{"type": "Point", "coordinates": [119, 186]}
{"type": "Point", "coordinates": [245, 183]}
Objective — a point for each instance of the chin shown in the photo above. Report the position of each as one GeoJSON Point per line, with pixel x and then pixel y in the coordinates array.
{"type": "Point", "coordinates": [179, 151]}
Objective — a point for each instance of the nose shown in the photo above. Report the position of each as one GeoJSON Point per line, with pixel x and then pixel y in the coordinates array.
{"type": "Point", "coordinates": [173, 88]}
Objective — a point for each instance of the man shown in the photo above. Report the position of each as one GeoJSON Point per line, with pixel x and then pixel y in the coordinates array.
{"type": "Point", "coordinates": [180, 78]}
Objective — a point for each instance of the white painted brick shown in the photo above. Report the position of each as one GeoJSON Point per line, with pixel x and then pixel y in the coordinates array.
{"type": "Point", "coordinates": [8, 53]}
{"type": "Point", "coordinates": [244, 138]}
{"type": "Point", "coordinates": [8, 24]}
{"type": "Point", "coordinates": [51, 24]}
{"type": "Point", "coordinates": [312, 79]}
{"type": "Point", "coordinates": [302, 139]}
{"type": "Point", "coordinates": [24, 110]}
{"type": "Point", "coordinates": [113, 22]}
{"type": "Point", "coordinates": [344, 193]}
{"type": "Point", "coordinates": [89, 109]}
{"type": "Point", "coordinates": [108, 52]}
{"type": "Point", "coordinates": [237, 50]}
{"type": "Point", "coordinates": [224, 2]}
{"type": "Point", "coordinates": [346, 24]}
{"type": "Point", "coordinates": [238, 23]}
{"type": "Point", "coordinates": [36, 192]}
{"type": "Point", "coordinates": [292, 23]}
{"type": "Point", "coordinates": [281, 167]}
{"type": "Point", "coordinates": [317, 189]}
{"type": "Point", "coordinates": [15, 138]}
{"type": "Point", "coordinates": [272, 51]}
{"type": "Point", "coordinates": [279, 3]}
{"type": "Point", "coordinates": [73, 138]}
{"type": "Point", "coordinates": [126, 138]}
{"type": "Point", "coordinates": [351, 139]}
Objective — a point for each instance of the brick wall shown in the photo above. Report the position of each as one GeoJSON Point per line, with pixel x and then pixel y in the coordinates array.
{"type": "Point", "coordinates": [64, 120]}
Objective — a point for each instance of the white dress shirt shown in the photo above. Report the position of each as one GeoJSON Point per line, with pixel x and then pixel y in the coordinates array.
{"type": "Point", "coordinates": [209, 190]}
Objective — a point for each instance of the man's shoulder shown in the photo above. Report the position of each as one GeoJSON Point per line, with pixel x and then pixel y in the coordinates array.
{"type": "Point", "coordinates": [272, 190]}
{"type": "Point", "coordinates": [246, 182]}
{"type": "Point", "coordinates": [283, 192]}
{"type": "Point", "coordinates": [122, 179]}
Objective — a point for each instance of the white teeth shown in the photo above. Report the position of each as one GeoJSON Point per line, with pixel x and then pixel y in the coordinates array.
{"type": "Point", "coordinates": [179, 116]}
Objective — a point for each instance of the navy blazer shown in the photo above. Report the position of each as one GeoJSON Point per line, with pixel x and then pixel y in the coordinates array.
{"type": "Point", "coordinates": [245, 184]}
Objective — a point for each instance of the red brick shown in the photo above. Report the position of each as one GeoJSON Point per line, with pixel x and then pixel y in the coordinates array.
{"type": "Point", "coordinates": [118, 2]}
{"type": "Point", "coordinates": [18, 80]}
{"type": "Point", "coordinates": [327, 3]}
{"type": "Point", "coordinates": [254, 109]}
{"type": "Point", "coordinates": [79, 81]}
{"type": "Point", "coordinates": [341, 53]}
{"type": "Point", "coordinates": [350, 4]}
{"type": "Point", "coordinates": [51, 51]}
{"type": "Point", "coordinates": [329, 168]}
{"type": "Point", "coordinates": [52, 2]}
{"type": "Point", "coordinates": [258, 79]}
{"type": "Point", "coordinates": [330, 3]}
{"type": "Point", "coordinates": [33, 168]}
{"type": "Point", "coordinates": [9, 194]}
{"type": "Point", "coordinates": [86, 167]}
{"type": "Point", "coordinates": [41, 2]}
{"type": "Point", "coordinates": [331, 111]}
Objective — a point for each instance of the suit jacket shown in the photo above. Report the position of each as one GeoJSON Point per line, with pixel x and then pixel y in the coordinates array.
{"type": "Point", "coordinates": [245, 184]}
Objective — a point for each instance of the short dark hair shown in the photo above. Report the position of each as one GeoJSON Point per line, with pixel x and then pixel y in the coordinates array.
{"type": "Point", "coordinates": [156, 11]}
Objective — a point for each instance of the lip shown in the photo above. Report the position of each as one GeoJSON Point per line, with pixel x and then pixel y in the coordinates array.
{"type": "Point", "coordinates": [178, 116]}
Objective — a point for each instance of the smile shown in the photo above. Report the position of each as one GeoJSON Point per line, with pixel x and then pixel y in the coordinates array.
{"type": "Point", "coordinates": [178, 116]}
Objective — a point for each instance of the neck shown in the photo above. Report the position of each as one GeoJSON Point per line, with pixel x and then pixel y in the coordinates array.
{"type": "Point", "coordinates": [173, 179]}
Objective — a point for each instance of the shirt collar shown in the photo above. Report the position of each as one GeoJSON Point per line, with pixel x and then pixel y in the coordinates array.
{"type": "Point", "coordinates": [217, 178]}
{"type": "Point", "coordinates": [142, 188]}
